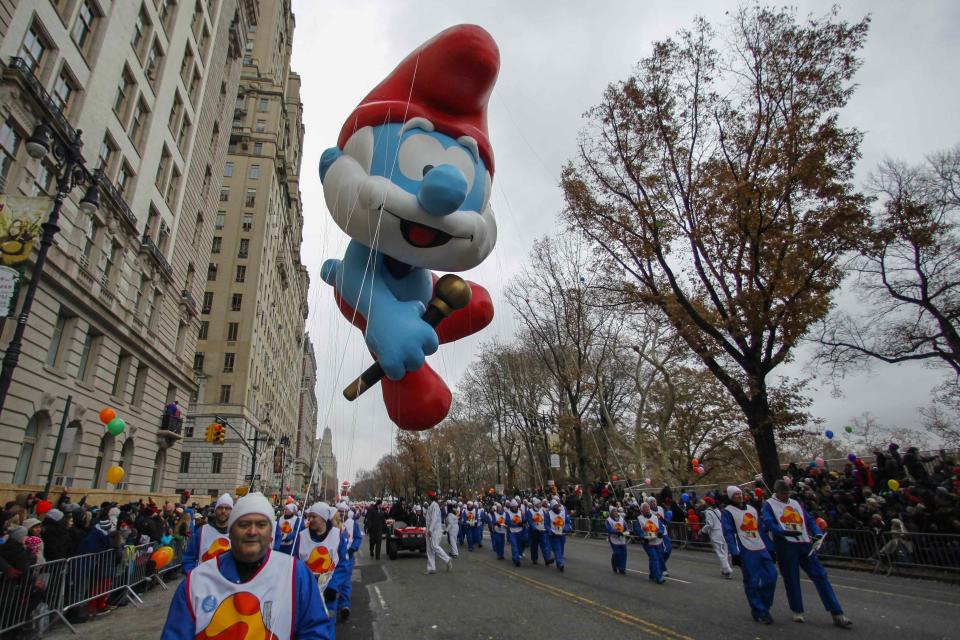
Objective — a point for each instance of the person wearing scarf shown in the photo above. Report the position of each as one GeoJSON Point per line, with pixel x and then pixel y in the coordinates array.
{"type": "Point", "coordinates": [514, 517]}
{"type": "Point", "coordinates": [748, 543]}
{"type": "Point", "coordinates": [649, 528]}
{"type": "Point", "coordinates": [248, 591]}
{"type": "Point", "coordinates": [288, 527]}
{"type": "Point", "coordinates": [537, 526]}
{"type": "Point", "coordinates": [497, 522]}
{"type": "Point", "coordinates": [353, 538]}
{"type": "Point", "coordinates": [212, 539]}
{"type": "Point", "coordinates": [558, 527]}
{"type": "Point", "coordinates": [616, 535]}
{"type": "Point", "coordinates": [793, 532]}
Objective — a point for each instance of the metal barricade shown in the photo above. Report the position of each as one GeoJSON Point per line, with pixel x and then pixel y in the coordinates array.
{"type": "Point", "coordinates": [94, 577]}
{"type": "Point", "coordinates": [851, 545]}
{"type": "Point", "coordinates": [932, 550]}
{"type": "Point", "coordinates": [33, 597]}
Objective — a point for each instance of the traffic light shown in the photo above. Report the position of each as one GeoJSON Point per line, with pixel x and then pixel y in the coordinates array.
{"type": "Point", "coordinates": [219, 433]}
{"type": "Point", "coordinates": [209, 436]}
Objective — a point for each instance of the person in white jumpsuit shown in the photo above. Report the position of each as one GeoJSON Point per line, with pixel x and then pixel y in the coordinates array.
{"type": "Point", "coordinates": [713, 522]}
{"type": "Point", "coordinates": [434, 533]}
{"type": "Point", "coordinates": [453, 528]}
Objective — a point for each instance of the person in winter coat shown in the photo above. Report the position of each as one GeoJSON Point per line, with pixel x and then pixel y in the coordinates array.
{"type": "Point", "coordinates": [57, 543]}
{"type": "Point", "coordinates": [375, 522]}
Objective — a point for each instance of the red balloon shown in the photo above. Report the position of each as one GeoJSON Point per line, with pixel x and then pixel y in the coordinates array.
{"type": "Point", "coordinates": [758, 492]}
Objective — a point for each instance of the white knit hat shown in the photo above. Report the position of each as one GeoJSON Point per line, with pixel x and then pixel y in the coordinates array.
{"type": "Point", "coordinates": [252, 503]}
{"type": "Point", "coordinates": [319, 509]}
{"type": "Point", "coordinates": [224, 501]}
{"type": "Point", "coordinates": [733, 490]}
{"type": "Point", "coordinates": [342, 506]}
{"type": "Point", "coordinates": [292, 506]}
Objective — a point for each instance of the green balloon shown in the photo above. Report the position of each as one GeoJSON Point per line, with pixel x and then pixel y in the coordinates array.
{"type": "Point", "coordinates": [116, 426]}
{"type": "Point", "coordinates": [848, 429]}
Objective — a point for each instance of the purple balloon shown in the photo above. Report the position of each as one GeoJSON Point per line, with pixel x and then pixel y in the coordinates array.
{"type": "Point", "coordinates": [852, 457]}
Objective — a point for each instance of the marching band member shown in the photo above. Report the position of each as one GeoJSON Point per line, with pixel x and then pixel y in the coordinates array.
{"type": "Point", "coordinates": [714, 527]}
{"type": "Point", "coordinates": [212, 539]}
{"type": "Point", "coordinates": [453, 528]}
{"type": "Point", "coordinates": [557, 532]}
{"type": "Point", "coordinates": [434, 526]}
{"type": "Point", "coordinates": [354, 537]}
{"type": "Point", "coordinates": [498, 529]}
{"type": "Point", "coordinates": [616, 535]}
{"type": "Point", "coordinates": [461, 526]}
{"type": "Point", "coordinates": [288, 526]}
{"type": "Point", "coordinates": [748, 544]}
{"type": "Point", "coordinates": [537, 526]}
{"type": "Point", "coordinates": [667, 548]}
{"type": "Point", "coordinates": [650, 530]}
{"type": "Point", "coordinates": [248, 591]}
{"type": "Point", "coordinates": [515, 531]}
{"type": "Point", "coordinates": [793, 532]}
{"type": "Point", "coordinates": [472, 525]}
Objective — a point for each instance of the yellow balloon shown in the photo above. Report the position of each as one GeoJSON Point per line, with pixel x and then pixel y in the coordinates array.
{"type": "Point", "coordinates": [115, 475]}
{"type": "Point", "coordinates": [893, 484]}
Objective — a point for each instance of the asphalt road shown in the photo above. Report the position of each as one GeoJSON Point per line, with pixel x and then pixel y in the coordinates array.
{"type": "Point", "coordinates": [483, 598]}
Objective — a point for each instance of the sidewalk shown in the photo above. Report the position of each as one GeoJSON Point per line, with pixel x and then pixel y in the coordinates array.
{"type": "Point", "coordinates": [124, 622]}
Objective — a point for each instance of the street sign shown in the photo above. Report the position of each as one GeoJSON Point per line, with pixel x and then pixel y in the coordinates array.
{"type": "Point", "coordinates": [499, 488]}
{"type": "Point", "coordinates": [247, 477]}
{"type": "Point", "coordinates": [554, 460]}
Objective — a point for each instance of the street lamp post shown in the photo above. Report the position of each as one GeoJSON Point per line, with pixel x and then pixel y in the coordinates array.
{"type": "Point", "coordinates": [71, 173]}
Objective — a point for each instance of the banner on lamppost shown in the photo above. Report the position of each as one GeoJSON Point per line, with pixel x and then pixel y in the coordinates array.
{"type": "Point", "coordinates": [554, 460]}
{"type": "Point", "coordinates": [278, 460]}
{"type": "Point", "coordinates": [21, 218]}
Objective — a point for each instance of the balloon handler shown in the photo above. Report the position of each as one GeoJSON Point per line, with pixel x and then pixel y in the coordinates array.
{"type": "Point", "coordinates": [409, 181]}
{"type": "Point", "coordinates": [794, 533]}
{"type": "Point", "coordinates": [750, 548]}
{"type": "Point", "coordinates": [650, 530]}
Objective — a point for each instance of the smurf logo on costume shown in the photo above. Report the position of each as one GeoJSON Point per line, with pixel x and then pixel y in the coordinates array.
{"type": "Point", "coordinates": [237, 618]}
{"type": "Point", "coordinates": [220, 545]}
{"type": "Point", "coordinates": [618, 528]}
{"type": "Point", "coordinates": [791, 520]}
{"type": "Point", "coordinates": [537, 518]}
{"type": "Point", "coordinates": [410, 182]}
{"type": "Point", "coordinates": [320, 561]}
{"type": "Point", "coordinates": [515, 519]}
{"type": "Point", "coordinates": [558, 522]}
{"type": "Point", "coordinates": [470, 516]}
{"type": "Point", "coordinates": [285, 527]}
{"type": "Point", "coordinates": [749, 526]}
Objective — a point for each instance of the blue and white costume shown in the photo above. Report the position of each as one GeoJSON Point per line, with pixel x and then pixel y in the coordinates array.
{"type": "Point", "coordinates": [498, 530]}
{"type": "Point", "coordinates": [514, 517]}
{"type": "Point", "coordinates": [472, 525]}
{"type": "Point", "coordinates": [649, 528]}
{"type": "Point", "coordinates": [354, 539]}
{"type": "Point", "coordinates": [616, 536]}
{"type": "Point", "coordinates": [537, 528]}
{"type": "Point", "coordinates": [558, 527]}
{"type": "Point", "coordinates": [747, 542]}
{"type": "Point", "coordinates": [288, 526]}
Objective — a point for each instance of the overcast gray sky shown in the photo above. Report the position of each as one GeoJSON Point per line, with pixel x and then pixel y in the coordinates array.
{"type": "Point", "coordinates": [557, 56]}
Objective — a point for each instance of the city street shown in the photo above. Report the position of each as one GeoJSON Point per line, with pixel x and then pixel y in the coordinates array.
{"type": "Point", "coordinates": [485, 598]}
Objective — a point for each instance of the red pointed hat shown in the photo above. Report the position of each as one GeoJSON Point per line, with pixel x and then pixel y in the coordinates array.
{"type": "Point", "coordinates": [447, 80]}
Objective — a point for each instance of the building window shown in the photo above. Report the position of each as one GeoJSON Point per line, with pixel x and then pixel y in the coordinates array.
{"type": "Point", "coordinates": [184, 132]}
{"type": "Point", "coordinates": [228, 359]}
{"type": "Point", "coordinates": [186, 66]}
{"type": "Point", "coordinates": [124, 178]}
{"type": "Point", "coordinates": [171, 196]}
{"type": "Point", "coordinates": [261, 126]}
{"type": "Point", "coordinates": [224, 394]}
{"type": "Point", "coordinates": [244, 250]}
{"type": "Point", "coordinates": [162, 168]}
{"type": "Point", "coordinates": [228, 170]}
{"type": "Point", "coordinates": [175, 112]}
{"type": "Point", "coordinates": [43, 180]}
{"type": "Point", "coordinates": [251, 198]}
{"type": "Point", "coordinates": [220, 220]}
{"type": "Point", "coordinates": [198, 361]}
{"type": "Point", "coordinates": [241, 273]}
{"type": "Point", "coordinates": [254, 173]}
{"type": "Point", "coordinates": [188, 430]}
{"type": "Point", "coordinates": [137, 123]}
{"type": "Point", "coordinates": [216, 462]}
{"type": "Point", "coordinates": [236, 302]}
{"type": "Point", "coordinates": [194, 85]}
{"type": "Point", "coordinates": [207, 302]}
{"type": "Point", "coordinates": [211, 272]}
{"type": "Point", "coordinates": [55, 352]}
{"type": "Point", "coordinates": [33, 48]}
{"type": "Point", "coordinates": [105, 156]}
{"type": "Point", "coordinates": [258, 148]}
{"type": "Point", "coordinates": [120, 375]}
{"type": "Point", "coordinates": [83, 25]}
{"type": "Point", "coordinates": [185, 462]}
{"type": "Point", "coordinates": [264, 105]}
{"type": "Point", "coordinates": [140, 30]}
{"type": "Point", "coordinates": [63, 90]}
{"type": "Point", "coordinates": [247, 61]}
{"type": "Point", "coordinates": [139, 385]}
{"type": "Point", "coordinates": [88, 357]}
{"type": "Point", "coordinates": [233, 329]}
{"type": "Point", "coordinates": [224, 194]}
{"type": "Point", "coordinates": [215, 247]}
{"type": "Point", "coordinates": [121, 104]}
{"type": "Point", "coordinates": [154, 60]}
{"type": "Point", "coordinates": [204, 330]}
{"type": "Point", "coordinates": [248, 222]}
{"type": "Point", "coordinates": [9, 145]}
{"type": "Point", "coordinates": [165, 10]}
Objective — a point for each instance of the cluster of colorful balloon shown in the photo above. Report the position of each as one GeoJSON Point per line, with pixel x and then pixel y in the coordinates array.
{"type": "Point", "coordinates": [697, 467]}
{"type": "Point", "coordinates": [115, 427]}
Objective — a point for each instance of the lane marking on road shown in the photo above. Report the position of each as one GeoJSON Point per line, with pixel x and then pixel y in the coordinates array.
{"type": "Point", "coordinates": [837, 585]}
{"type": "Point", "coordinates": [383, 603]}
{"type": "Point", "coordinates": [667, 577]}
{"type": "Point", "coordinates": [616, 614]}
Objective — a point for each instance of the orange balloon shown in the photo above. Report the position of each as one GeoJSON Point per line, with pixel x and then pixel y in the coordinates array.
{"type": "Point", "coordinates": [106, 415]}
{"type": "Point", "coordinates": [162, 557]}
{"type": "Point", "coordinates": [695, 462]}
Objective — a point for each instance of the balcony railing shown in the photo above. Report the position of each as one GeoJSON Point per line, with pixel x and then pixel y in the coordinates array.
{"type": "Point", "coordinates": [116, 199]}
{"type": "Point", "coordinates": [20, 67]}
{"type": "Point", "coordinates": [147, 244]}
{"type": "Point", "coordinates": [171, 424]}
{"type": "Point", "coordinates": [187, 300]}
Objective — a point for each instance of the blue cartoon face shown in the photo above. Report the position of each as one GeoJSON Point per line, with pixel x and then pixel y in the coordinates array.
{"type": "Point", "coordinates": [412, 193]}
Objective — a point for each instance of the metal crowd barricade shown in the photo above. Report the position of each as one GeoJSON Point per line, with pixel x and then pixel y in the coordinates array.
{"type": "Point", "coordinates": [94, 577]}
{"type": "Point", "coordinates": [931, 550]}
{"type": "Point", "coordinates": [33, 597]}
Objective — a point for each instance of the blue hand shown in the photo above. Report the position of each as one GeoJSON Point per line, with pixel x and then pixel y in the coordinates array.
{"type": "Point", "coordinates": [327, 158]}
{"type": "Point", "coordinates": [399, 337]}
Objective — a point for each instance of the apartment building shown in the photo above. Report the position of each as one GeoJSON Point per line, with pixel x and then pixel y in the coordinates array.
{"type": "Point", "coordinates": [115, 320]}
{"type": "Point", "coordinates": [304, 452]}
{"type": "Point", "coordinates": [251, 332]}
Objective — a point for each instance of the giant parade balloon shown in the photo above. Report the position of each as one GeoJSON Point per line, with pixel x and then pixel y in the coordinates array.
{"type": "Point", "coordinates": [410, 182]}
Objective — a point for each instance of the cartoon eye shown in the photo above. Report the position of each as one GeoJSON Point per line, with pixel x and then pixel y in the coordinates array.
{"type": "Point", "coordinates": [419, 153]}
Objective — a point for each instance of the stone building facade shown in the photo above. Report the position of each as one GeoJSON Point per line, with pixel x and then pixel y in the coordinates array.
{"type": "Point", "coordinates": [304, 452]}
{"type": "Point", "coordinates": [254, 301]}
{"type": "Point", "coordinates": [115, 320]}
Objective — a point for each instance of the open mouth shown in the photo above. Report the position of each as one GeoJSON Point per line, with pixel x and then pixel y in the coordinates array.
{"type": "Point", "coordinates": [420, 235]}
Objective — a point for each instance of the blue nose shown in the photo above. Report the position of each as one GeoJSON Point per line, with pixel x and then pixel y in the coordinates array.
{"type": "Point", "coordinates": [443, 190]}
